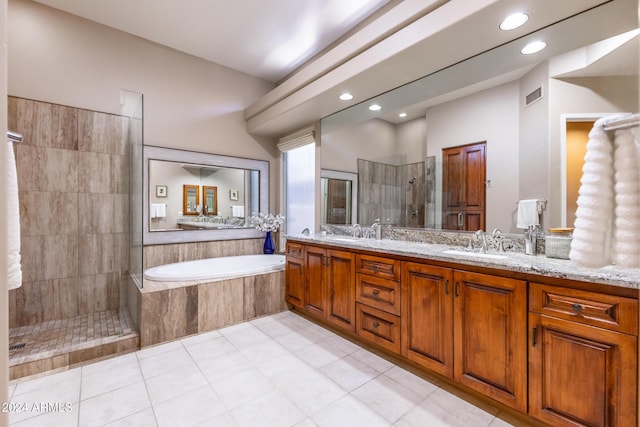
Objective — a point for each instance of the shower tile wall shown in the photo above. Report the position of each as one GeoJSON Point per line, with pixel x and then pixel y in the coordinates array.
{"type": "Point", "coordinates": [384, 193]}
{"type": "Point", "coordinates": [73, 188]}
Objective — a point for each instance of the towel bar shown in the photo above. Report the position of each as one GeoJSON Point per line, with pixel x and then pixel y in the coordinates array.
{"type": "Point", "coordinates": [13, 136]}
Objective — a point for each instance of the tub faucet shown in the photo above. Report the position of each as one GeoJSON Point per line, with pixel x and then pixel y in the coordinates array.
{"type": "Point", "coordinates": [483, 238]}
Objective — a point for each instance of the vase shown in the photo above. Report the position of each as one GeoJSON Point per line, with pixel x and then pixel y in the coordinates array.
{"type": "Point", "coordinates": [269, 247]}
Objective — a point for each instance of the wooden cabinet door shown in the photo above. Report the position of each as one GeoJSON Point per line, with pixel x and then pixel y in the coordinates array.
{"type": "Point", "coordinates": [580, 375]}
{"type": "Point", "coordinates": [490, 336]}
{"type": "Point", "coordinates": [341, 298]}
{"type": "Point", "coordinates": [427, 316]}
{"type": "Point", "coordinates": [294, 282]}
{"type": "Point", "coordinates": [463, 187]}
{"type": "Point", "coordinates": [315, 291]}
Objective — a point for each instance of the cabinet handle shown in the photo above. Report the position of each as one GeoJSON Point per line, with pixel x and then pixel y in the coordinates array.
{"type": "Point", "coordinates": [375, 292]}
{"type": "Point", "coordinates": [446, 287]}
{"type": "Point", "coordinates": [576, 307]}
{"type": "Point", "coordinates": [456, 289]}
{"type": "Point", "coordinates": [376, 324]}
{"type": "Point", "coordinates": [533, 336]}
{"type": "Point", "coordinates": [375, 268]}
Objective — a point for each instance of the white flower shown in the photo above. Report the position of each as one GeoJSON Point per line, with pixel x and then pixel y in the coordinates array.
{"type": "Point", "coordinates": [264, 222]}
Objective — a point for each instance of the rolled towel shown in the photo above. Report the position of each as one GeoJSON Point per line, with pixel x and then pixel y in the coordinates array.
{"type": "Point", "coordinates": [599, 214]}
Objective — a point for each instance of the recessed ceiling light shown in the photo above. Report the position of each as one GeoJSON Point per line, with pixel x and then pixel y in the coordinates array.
{"type": "Point", "coordinates": [375, 107]}
{"type": "Point", "coordinates": [402, 115]}
{"type": "Point", "coordinates": [346, 96]}
{"type": "Point", "coordinates": [533, 47]}
{"type": "Point", "coordinates": [513, 21]}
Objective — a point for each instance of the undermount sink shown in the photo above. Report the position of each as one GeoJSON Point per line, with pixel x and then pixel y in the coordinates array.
{"type": "Point", "coordinates": [343, 238]}
{"type": "Point", "coordinates": [474, 254]}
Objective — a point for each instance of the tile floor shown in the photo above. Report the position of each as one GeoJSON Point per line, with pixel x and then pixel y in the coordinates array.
{"type": "Point", "coordinates": [47, 339]}
{"type": "Point", "coordinates": [280, 370]}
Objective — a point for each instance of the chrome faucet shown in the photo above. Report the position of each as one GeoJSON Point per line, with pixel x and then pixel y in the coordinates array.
{"type": "Point", "coordinates": [483, 238]}
{"type": "Point", "coordinates": [356, 230]}
{"type": "Point", "coordinates": [497, 234]}
{"type": "Point", "coordinates": [377, 229]}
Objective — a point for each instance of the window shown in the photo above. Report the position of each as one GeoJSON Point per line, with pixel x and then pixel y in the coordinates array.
{"type": "Point", "coordinates": [299, 188]}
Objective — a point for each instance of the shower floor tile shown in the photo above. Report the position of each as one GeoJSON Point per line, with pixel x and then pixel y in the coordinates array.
{"type": "Point", "coordinates": [72, 338]}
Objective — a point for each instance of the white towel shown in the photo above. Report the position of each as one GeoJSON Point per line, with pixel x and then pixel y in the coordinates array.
{"type": "Point", "coordinates": [527, 213]}
{"type": "Point", "coordinates": [158, 210]}
{"type": "Point", "coordinates": [14, 279]}
{"type": "Point", "coordinates": [237, 211]}
{"type": "Point", "coordinates": [591, 242]}
{"type": "Point", "coordinates": [625, 248]}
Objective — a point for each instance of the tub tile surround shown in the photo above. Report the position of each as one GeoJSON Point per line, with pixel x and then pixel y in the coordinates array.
{"type": "Point", "coordinates": [171, 311]}
{"type": "Point", "coordinates": [74, 207]}
{"type": "Point", "coordinates": [257, 373]}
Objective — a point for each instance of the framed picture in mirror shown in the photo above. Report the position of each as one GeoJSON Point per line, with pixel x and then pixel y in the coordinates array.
{"type": "Point", "coordinates": [161, 191]}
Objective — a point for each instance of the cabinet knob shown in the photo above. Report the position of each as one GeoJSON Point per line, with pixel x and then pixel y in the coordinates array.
{"type": "Point", "coordinates": [375, 292]}
{"type": "Point", "coordinates": [376, 324]}
{"type": "Point", "coordinates": [576, 307]}
{"type": "Point", "coordinates": [375, 268]}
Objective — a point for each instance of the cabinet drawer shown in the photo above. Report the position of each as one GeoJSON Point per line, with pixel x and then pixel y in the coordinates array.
{"type": "Point", "coordinates": [611, 312]}
{"type": "Point", "coordinates": [294, 250]}
{"type": "Point", "coordinates": [374, 291]}
{"type": "Point", "coordinates": [378, 327]}
{"type": "Point", "coordinates": [378, 266]}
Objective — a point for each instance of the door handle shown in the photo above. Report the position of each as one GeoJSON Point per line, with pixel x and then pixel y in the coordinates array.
{"type": "Point", "coordinates": [456, 289]}
{"type": "Point", "coordinates": [446, 287]}
{"type": "Point", "coordinates": [533, 336]}
{"type": "Point", "coordinates": [460, 219]}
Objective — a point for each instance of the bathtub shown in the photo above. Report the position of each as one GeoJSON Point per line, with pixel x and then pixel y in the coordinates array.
{"type": "Point", "coordinates": [216, 268]}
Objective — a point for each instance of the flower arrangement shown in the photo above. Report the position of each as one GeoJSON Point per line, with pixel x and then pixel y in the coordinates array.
{"type": "Point", "coordinates": [264, 222]}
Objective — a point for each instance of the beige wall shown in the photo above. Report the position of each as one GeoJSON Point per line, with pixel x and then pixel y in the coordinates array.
{"type": "Point", "coordinates": [594, 95]}
{"type": "Point", "coordinates": [373, 140]}
{"type": "Point", "coordinates": [4, 295]}
{"type": "Point", "coordinates": [189, 103]}
{"type": "Point", "coordinates": [492, 116]}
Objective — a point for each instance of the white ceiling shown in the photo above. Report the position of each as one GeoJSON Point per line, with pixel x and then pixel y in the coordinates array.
{"type": "Point", "coordinates": [267, 39]}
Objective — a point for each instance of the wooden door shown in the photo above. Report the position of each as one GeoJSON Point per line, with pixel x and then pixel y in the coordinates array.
{"type": "Point", "coordinates": [427, 316]}
{"type": "Point", "coordinates": [490, 336]}
{"type": "Point", "coordinates": [463, 187]}
{"type": "Point", "coordinates": [315, 300]}
{"type": "Point", "coordinates": [337, 201]}
{"type": "Point", "coordinates": [294, 282]}
{"type": "Point", "coordinates": [341, 297]}
{"type": "Point", "coordinates": [580, 375]}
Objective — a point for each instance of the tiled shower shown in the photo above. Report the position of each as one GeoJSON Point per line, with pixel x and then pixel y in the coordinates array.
{"type": "Point", "coordinates": [395, 193]}
{"type": "Point", "coordinates": [78, 189]}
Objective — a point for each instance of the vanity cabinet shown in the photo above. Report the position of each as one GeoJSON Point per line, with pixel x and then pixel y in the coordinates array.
{"type": "Point", "coordinates": [583, 355]}
{"type": "Point", "coordinates": [322, 284]}
{"type": "Point", "coordinates": [562, 352]}
{"type": "Point", "coordinates": [294, 275]}
{"type": "Point", "coordinates": [468, 326]}
{"type": "Point", "coordinates": [490, 336]}
{"type": "Point", "coordinates": [378, 301]}
{"type": "Point", "coordinates": [427, 316]}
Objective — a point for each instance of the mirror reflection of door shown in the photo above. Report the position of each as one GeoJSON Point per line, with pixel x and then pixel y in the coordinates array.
{"type": "Point", "coordinates": [576, 147]}
{"type": "Point", "coordinates": [337, 201]}
{"type": "Point", "coordinates": [210, 198]}
{"type": "Point", "coordinates": [191, 199]}
{"type": "Point", "coordinates": [463, 187]}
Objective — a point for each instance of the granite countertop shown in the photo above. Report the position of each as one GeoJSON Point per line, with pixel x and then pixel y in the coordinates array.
{"type": "Point", "coordinates": [511, 261]}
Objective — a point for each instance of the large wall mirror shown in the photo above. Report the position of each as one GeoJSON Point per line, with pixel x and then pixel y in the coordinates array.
{"type": "Point", "coordinates": [518, 106]}
{"type": "Point", "coordinates": [194, 196]}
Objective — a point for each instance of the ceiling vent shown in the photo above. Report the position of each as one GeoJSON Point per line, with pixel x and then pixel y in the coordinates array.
{"type": "Point", "coordinates": [533, 97]}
